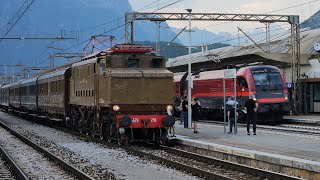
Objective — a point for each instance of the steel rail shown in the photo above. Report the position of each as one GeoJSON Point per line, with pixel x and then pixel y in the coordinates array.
{"type": "Point", "coordinates": [79, 174]}
{"type": "Point", "coordinates": [177, 165]}
{"type": "Point", "coordinates": [14, 168]}
{"type": "Point", "coordinates": [228, 164]}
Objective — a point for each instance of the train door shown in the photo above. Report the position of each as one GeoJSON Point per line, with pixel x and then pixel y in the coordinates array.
{"type": "Point", "coordinates": [316, 97]}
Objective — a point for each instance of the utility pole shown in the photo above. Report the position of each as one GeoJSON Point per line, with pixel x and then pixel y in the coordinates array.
{"type": "Point", "coordinates": [189, 73]}
{"type": "Point", "coordinates": [6, 79]}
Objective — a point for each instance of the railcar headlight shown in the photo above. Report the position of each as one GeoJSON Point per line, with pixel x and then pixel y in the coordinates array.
{"type": "Point", "coordinates": [169, 107]}
{"type": "Point", "coordinates": [255, 99]}
{"type": "Point", "coordinates": [286, 96]}
{"type": "Point", "coordinates": [116, 107]}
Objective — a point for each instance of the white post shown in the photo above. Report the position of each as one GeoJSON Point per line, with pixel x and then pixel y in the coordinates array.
{"type": "Point", "coordinates": [224, 105]}
{"type": "Point", "coordinates": [5, 69]}
{"type": "Point", "coordinates": [235, 106]}
{"type": "Point", "coordinates": [189, 73]}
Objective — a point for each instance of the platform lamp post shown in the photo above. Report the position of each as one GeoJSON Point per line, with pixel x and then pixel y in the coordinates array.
{"type": "Point", "coordinates": [189, 73]}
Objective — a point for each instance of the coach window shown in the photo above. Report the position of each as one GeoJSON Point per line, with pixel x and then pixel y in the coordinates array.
{"type": "Point", "coordinates": [156, 63]}
{"type": "Point", "coordinates": [133, 63]}
{"type": "Point", "coordinates": [102, 66]}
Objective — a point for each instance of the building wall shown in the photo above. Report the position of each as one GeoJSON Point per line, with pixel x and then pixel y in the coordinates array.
{"type": "Point", "coordinates": [310, 89]}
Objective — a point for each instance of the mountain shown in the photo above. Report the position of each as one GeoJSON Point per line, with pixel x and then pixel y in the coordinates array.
{"type": "Point", "coordinates": [313, 22]}
{"type": "Point", "coordinates": [60, 18]}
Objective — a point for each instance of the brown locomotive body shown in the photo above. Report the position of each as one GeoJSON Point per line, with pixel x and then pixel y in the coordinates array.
{"type": "Point", "coordinates": [121, 94]}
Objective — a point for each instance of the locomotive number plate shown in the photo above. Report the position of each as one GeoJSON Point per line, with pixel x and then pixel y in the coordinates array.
{"type": "Point", "coordinates": [135, 120]}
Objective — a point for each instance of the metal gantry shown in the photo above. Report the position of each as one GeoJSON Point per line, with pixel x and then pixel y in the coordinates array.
{"type": "Point", "coordinates": [293, 20]}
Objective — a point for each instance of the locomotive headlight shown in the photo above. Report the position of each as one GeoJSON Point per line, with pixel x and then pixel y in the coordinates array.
{"type": "Point", "coordinates": [169, 107]}
{"type": "Point", "coordinates": [116, 107]}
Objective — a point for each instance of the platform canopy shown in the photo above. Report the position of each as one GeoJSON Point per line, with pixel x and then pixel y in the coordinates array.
{"type": "Point", "coordinates": [280, 54]}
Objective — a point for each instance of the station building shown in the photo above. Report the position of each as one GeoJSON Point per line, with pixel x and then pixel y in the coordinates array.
{"type": "Point", "coordinates": [277, 53]}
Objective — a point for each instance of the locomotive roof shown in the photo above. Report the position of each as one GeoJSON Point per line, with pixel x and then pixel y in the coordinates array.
{"type": "Point", "coordinates": [53, 74]}
{"type": "Point", "coordinates": [30, 80]}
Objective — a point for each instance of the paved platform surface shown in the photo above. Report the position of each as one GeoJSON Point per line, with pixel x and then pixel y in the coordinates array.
{"type": "Point", "coordinates": [280, 148]}
{"type": "Point", "coordinates": [270, 142]}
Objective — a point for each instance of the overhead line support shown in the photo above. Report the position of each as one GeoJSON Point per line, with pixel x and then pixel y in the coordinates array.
{"type": "Point", "coordinates": [292, 19]}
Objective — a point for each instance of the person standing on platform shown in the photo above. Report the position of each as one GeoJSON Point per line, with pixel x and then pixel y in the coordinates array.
{"type": "Point", "coordinates": [231, 117]}
{"type": "Point", "coordinates": [180, 108]}
{"type": "Point", "coordinates": [251, 107]}
{"type": "Point", "coordinates": [196, 109]}
{"type": "Point", "coordinates": [185, 112]}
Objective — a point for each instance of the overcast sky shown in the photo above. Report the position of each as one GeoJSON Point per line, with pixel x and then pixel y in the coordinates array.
{"type": "Point", "coordinates": [304, 8]}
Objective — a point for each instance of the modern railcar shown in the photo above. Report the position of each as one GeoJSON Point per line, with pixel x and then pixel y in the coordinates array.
{"type": "Point", "coordinates": [265, 82]}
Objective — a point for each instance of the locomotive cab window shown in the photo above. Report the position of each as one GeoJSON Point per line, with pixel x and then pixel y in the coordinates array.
{"type": "Point", "coordinates": [242, 82]}
{"type": "Point", "coordinates": [156, 63]}
{"type": "Point", "coordinates": [133, 63]}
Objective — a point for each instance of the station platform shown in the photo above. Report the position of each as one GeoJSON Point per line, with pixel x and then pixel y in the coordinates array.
{"type": "Point", "coordinates": [298, 155]}
{"type": "Point", "coordinates": [303, 119]}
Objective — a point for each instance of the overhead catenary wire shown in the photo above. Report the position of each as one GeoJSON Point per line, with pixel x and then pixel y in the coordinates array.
{"type": "Point", "coordinates": [17, 20]}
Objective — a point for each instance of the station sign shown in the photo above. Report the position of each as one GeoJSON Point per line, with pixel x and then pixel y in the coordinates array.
{"type": "Point", "coordinates": [289, 85]}
{"type": "Point", "coordinates": [230, 73]}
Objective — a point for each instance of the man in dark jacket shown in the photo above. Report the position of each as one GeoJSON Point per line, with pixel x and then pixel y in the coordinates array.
{"type": "Point", "coordinates": [184, 105]}
{"type": "Point", "coordinates": [251, 107]}
{"type": "Point", "coordinates": [196, 109]}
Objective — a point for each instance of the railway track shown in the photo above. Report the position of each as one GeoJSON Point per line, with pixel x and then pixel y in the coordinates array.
{"type": "Point", "coordinates": [8, 168]}
{"type": "Point", "coordinates": [28, 151]}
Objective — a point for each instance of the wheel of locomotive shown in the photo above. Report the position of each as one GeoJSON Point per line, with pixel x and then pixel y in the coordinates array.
{"type": "Point", "coordinates": [109, 139]}
{"type": "Point", "coordinates": [88, 133]}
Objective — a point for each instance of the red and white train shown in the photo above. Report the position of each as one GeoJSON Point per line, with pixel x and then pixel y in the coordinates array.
{"type": "Point", "coordinates": [265, 82]}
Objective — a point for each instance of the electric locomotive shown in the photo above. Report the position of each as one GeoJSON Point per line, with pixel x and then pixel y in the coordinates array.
{"type": "Point", "coordinates": [265, 82]}
{"type": "Point", "coordinates": [122, 93]}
